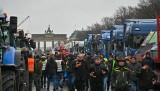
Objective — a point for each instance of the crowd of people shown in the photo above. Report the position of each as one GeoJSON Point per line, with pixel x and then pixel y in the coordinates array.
{"type": "Point", "coordinates": [95, 73]}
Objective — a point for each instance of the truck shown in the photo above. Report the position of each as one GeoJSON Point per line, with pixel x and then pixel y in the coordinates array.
{"type": "Point", "coordinates": [14, 53]}
{"type": "Point", "coordinates": [136, 30]}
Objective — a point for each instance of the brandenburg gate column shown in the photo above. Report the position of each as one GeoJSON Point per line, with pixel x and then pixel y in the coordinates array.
{"type": "Point", "coordinates": [59, 43]}
{"type": "Point", "coordinates": [38, 44]}
{"type": "Point", "coordinates": [52, 44]}
{"type": "Point", "coordinates": [44, 46]}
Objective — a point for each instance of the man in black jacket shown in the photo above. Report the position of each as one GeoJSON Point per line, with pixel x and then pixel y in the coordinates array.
{"type": "Point", "coordinates": [97, 72]}
{"type": "Point", "coordinates": [71, 77]}
{"type": "Point", "coordinates": [135, 67]}
{"type": "Point", "coordinates": [51, 69]}
{"type": "Point", "coordinates": [90, 61]}
{"type": "Point", "coordinates": [148, 60]}
{"type": "Point", "coordinates": [80, 71]}
{"type": "Point", "coordinates": [120, 77]}
{"type": "Point", "coordinates": [147, 78]}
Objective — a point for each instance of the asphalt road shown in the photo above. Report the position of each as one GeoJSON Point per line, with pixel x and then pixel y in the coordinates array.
{"type": "Point", "coordinates": [51, 88]}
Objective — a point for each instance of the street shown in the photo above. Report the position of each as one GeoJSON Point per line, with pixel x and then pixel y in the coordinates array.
{"type": "Point", "coordinates": [51, 88]}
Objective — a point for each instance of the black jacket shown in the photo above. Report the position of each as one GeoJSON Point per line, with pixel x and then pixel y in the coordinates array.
{"type": "Point", "coordinates": [51, 67]}
{"type": "Point", "coordinates": [80, 72]}
{"type": "Point", "coordinates": [146, 77]}
{"type": "Point", "coordinates": [135, 68]}
{"type": "Point", "coordinates": [69, 66]}
{"type": "Point", "coordinates": [90, 61]}
{"type": "Point", "coordinates": [107, 67]}
{"type": "Point", "coordinates": [97, 69]}
{"type": "Point", "coordinates": [148, 61]}
{"type": "Point", "coordinates": [120, 77]}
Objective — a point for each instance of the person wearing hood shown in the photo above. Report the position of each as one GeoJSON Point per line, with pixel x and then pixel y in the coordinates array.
{"type": "Point", "coordinates": [70, 71]}
{"type": "Point", "coordinates": [148, 60]}
{"type": "Point", "coordinates": [135, 67]}
{"type": "Point", "coordinates": [120, 77]}
{"type": "Point", "coordinates": [51, 70]}
{"type": "Point", "coordinates": [80, 70]}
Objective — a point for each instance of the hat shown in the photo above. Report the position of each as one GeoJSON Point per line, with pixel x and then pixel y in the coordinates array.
{"type": "Point", "coordinates": [43, 57]}
{"type": "Point", "coordinates": [37, 56]}
{"type": "Point", "coordinates": [96, 57]}
{"type": "Point", "coordinates": [88, 53]}
{"type": "Point", "coordinates": [121, 60]}
{"type": "Point", "coordinates": [71, 56]}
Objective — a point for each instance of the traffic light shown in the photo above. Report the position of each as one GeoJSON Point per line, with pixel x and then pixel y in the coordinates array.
{"type": "Point", "coordinates": [13, 24]}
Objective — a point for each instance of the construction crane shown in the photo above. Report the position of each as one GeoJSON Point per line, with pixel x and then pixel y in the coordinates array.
{"type": "Point", "coordinates": [23, 21]}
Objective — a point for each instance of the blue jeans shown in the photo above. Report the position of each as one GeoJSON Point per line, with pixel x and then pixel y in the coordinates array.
{"type": "Point", "coordinates": [54, 78]}
{"type": "Point", "coordinates": [70, 81]}
{"type": "Point", "coordinates": [60, 78]}
{"type": "Point", "coordinates": [135, 86]}
{"type": "Point", "coordinates": [105, 83]}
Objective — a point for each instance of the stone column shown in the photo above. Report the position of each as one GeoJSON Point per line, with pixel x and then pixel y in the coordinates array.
{"type": "Point", "coordinates": [59, 43]}
{"type": "Point", "coordinates": [38, 44]}
{"type": "Point", "coordinates": [52, 44]}
{"type": "Point", "coordinates": [44, 46]}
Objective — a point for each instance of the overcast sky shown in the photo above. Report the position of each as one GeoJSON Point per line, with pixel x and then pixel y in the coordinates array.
{"type": "Point", "coordinates": [64, 16]}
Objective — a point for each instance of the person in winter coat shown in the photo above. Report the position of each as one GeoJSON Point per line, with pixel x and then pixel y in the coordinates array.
{"type": "Point", "coordinates": [112, 64]}
{"type": "Point", "coordinates": [43, 77]}
{"type": "Point", "coordinates": [38, 72]}
{"type": "Point", "coordinates": [70, 71]}
{"type": "Point", "coordinates": [51, 70]}
{"type": "Point", "coordinates": [135, 67]}
{"type": "Point", "coordinates": [148, 60]}
{"type": "Point", "coordinates": [80, 71]}
{"type": "Point", "coordinates": [90, 60]}
{"type": "Point", "coordinates": [147, 78]}
{"type": "Point", "coordinates": [60, 70]}
{"type": "Point", "coordinates": [97, 72]}
{"type": "Point", "coordinates": [107, 67]}
{"type": "Point", "coordinates": [120, 77]}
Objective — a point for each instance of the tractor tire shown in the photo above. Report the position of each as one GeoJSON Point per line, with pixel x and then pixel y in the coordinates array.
{"type": "Point", "coordinates": [8, 81]}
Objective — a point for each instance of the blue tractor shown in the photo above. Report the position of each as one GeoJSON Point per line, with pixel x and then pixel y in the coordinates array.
{"type": "Point", "coordinates": [135, 32]}
{"type": "Point", "coordinates": [112, 40]}
{"type": "Point", "coordinates": [106, 42]}
{"type": "Point", "coordinates": [117, 42]}
{"type": "Point", "coordinates": [92, 44]}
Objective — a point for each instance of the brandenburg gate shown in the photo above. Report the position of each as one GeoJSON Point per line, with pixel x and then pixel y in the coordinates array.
{"type": "Point", "coordinates": [48, 36]}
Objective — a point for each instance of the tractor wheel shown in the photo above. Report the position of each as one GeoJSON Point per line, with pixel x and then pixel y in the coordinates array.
{"type": "Point", "coordinates": [8, 81]}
